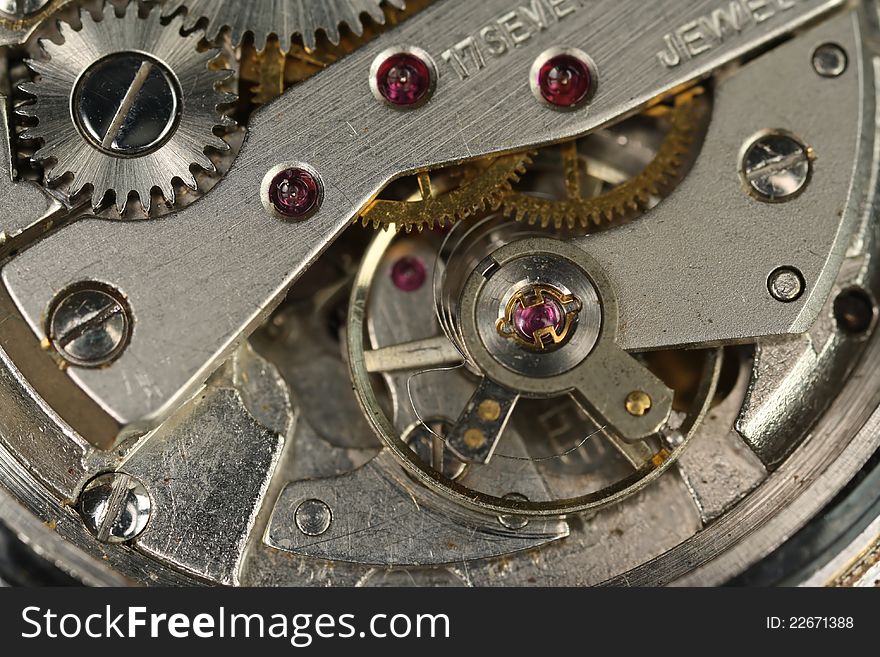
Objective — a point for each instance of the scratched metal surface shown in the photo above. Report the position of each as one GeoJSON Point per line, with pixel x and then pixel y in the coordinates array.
{"type": "Point", "coordinates": [815, 472]}
{"type": "Point", "coordinates": [201, 279]}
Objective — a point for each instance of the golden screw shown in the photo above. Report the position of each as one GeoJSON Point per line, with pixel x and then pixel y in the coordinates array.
{"type": "Point", "coordinates": [638, 403]}
{"type": "Point", "coordinates": [489, 410]}
{"type": "Point", "coordinates": [474, 439]}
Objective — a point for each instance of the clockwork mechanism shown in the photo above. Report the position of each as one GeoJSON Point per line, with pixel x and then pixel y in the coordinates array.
{"type": "Point", "coordinates": [367, 293]}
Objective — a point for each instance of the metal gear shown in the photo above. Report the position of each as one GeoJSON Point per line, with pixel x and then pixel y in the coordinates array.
{"type": "Point", "coordinates": [280, 64]}
{"type": "Point", "coordinates": [686, 119]}
{"type": "Point", "coordinates": [485, 184]}
{"type": "Point", "coordinates": [489, 184]}
{"type": "Point", "coordinates": [154, 77]}
{"type": "Point", "coordinates": [282, 18]}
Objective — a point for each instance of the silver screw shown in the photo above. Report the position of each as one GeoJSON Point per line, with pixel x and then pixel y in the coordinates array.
{"type": "Point", "coordinates": [786, 284]}
{"type": "Point", "coordinates": [127, 105]}
{"type": "Point", "coordinates": [21, 8]}
{"type": "Point", "coordinates": [511, 521]}
{"type": "Point", "coordinates": [89, 326]}
{"type": "Point", "coordinates": [313, 517]}
{"type": "Point", "coordinates": [830, 60]}
{"type": "Point", "coordinates": [777, 167]}
{"type": "Point", "coordinates": [115, 507]}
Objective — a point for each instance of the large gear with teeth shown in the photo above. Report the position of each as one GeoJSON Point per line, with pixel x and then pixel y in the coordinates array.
{"type": "Point", "coordinates": [620, 326]}
{"type": "Point", "coordinates": [126, 104]}
{"type": "Point", "coordinates": [686, 116]}
{"type": "Point", "coordinates": [283, 18]}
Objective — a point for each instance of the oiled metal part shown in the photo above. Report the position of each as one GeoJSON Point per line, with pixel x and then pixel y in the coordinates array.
{"type": "Point", "coordinates": [107, 85]}
{"type": "Point", "coordinates": [283, 18]}
{"type": "Point", "coordinates": [357, 145]}
{"type": "Point", "coordinates": [380, 519]}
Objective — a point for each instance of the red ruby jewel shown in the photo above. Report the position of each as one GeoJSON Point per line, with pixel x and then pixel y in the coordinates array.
{"type": "Point", "coordinates": [529, 320]}
{"type": "Point", "coordinates": [404, 79]}
{"type": "Point", "coordinates": [565, 80]}
{"type": "Point", "coordinates": [295, 193]}
{"type": "Point", "coordinates": [408, 274]}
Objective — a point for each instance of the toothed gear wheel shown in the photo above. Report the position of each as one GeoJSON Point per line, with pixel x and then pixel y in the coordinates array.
{"type": "Point", "coordinates": [126, 104]}
{"type": "Point", "coordinates": [483, 190]}
{"type": "Point", "coordinates": [282, 18]}
{"type": "Point", "coordinates": [577, 212]}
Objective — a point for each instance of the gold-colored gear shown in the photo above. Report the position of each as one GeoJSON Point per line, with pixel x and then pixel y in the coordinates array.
{"type": "Point", "coordinates": [488, 186]}
{"type": "Point", "coordinates": [685, 117]}
{"type": "Point", "coordinates": [15, 25]}
{"type": "Point", "coordinates": [484, 186]}
{"type": "Point", "coordinates": [272, 71]}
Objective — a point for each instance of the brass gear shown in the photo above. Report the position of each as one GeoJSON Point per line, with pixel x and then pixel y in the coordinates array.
{"type": "Point", "coordinates": [484, 186]}
{"type": "Point", "coordinates": [488, 184]}
{"type": "Point", "coordinates": [277, 67]}
{"type": "Point", "coordinates": [686, 118]}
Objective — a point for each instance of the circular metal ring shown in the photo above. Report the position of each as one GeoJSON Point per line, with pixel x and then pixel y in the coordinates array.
{"type": "Point", "coordinates": [469, 498]}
